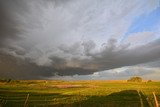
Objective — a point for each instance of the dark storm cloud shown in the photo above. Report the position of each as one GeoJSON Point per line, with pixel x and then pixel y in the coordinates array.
{"type": "Point", "coordinates": [11, 26]}
{"type": "Point", "coordinates": [153, 64]}
{"type": "Point", "coordinates": [45, 37]}
{"type": "Point", "coordinates": [8, 23]}
{"type": "Point", "coordinates": [113, 56]}
{"type": "Point", "coordinates": [110, 56]}
{"type": "Point", "coordinates": [15, 68]}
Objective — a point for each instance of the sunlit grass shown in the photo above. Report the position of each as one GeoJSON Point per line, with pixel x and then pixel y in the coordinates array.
{"type": "Point", "coordinates": [76, 93]}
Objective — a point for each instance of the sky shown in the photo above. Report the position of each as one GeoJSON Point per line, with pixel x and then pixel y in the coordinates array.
{"type": "Point", "coordinates": [77, 39]}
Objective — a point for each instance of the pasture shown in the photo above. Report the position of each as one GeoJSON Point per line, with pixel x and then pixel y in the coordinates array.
{"type": "Point", "coordinates": [89, 93]}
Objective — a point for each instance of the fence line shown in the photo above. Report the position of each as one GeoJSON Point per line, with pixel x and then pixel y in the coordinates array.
{"type": "Point", "coordinates": [156, 104]}
{"type": "Point", "coordinates": [25, 103]}
{"type": "Point", "coordinates": [155, 100]}
{"type": "Point", "coordinates": [140, 97]}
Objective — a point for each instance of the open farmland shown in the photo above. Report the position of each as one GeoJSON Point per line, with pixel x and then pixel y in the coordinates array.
{"type": "Point", "coordinates": [40, 93]}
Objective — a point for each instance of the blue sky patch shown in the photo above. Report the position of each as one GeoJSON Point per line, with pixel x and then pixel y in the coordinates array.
{"type": "Point", "coordinates": [145, 22]}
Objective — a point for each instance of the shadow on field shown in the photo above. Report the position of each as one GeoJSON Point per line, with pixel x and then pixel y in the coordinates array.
{"type": "Point", "coordinates": [144, 99]}
{"type": "Point", "coordinates": [126, 98]}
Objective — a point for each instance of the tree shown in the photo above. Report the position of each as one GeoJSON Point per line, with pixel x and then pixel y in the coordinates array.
{"type": "Point", "coordinates": [149, 81]}
{"type": "Point", "coordinates": [135, 79]}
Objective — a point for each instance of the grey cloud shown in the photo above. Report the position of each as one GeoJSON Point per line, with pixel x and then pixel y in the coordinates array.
{"type": "Point", "coordinates": [13, 19]}
{"type": "Point", "coordinates": [7, 22]}
{"type": "Point", "coordinates": [15, 68]}
{"type": "Point", "coordinates": [88, 47]}
{"type": "Point", "coordinates": [74, 49]}
{"type": "Point", "coordinates": [152, 64]}
{"type": "Point", "coordinates": [123, 73]}
{"type": "Point", "coordinates": [48, 35]}
{"type": "Point", "coordinates": [110, 56]}
{"type": "Point", "coordinates": [114, 56]}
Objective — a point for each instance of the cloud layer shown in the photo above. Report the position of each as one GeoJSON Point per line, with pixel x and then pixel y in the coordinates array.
{"type": "Point", "coordinates": [76, 37]}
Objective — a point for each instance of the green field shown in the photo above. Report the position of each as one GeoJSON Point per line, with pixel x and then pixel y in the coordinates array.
{"type": "Point", "coordinates": [78, 93]}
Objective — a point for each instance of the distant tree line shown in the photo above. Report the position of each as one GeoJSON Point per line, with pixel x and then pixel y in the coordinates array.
{"type": "Point", "coordinates": [5, 80]}
{"type": "Point", "coordinates": [135, 79]}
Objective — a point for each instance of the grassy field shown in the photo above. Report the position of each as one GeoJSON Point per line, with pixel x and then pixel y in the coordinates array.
{"type": "Point", "coordinates": [78, 93]}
